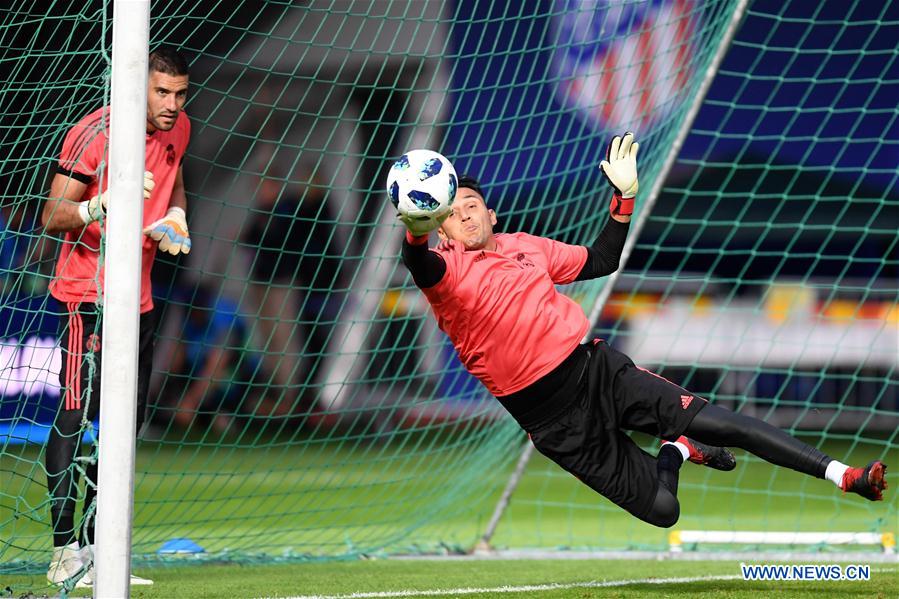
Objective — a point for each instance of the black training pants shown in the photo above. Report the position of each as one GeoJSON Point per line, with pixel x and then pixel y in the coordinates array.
{"type": "Point", "coordinates": [79, 404]}
{"type": "Point", "coordinates": [720, 427]}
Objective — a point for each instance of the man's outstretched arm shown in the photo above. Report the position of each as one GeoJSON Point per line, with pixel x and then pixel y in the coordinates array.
{"type": "Point", "coordinates": [605, 253]}
{"type": "Point", "coordinates": [427, 267]}
{"type": "Point", "coordinates": [620, 168]}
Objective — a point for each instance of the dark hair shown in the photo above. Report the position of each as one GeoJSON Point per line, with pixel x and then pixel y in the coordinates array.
{"type": "Point", "coordinates": [470, 182]}
{"type": "Point", "coordinates": [166, 59]}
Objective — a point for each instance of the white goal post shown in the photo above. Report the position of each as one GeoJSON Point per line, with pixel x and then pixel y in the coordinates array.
{"type": "Point", "coordinates": [121, 301]}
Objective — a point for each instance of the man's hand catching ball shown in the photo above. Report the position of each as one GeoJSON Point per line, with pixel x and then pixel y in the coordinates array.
{"type": "Point", "coordinates": [419, 225]}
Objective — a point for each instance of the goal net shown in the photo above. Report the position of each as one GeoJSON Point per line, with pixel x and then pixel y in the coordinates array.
{"type": "Point", "coordinates": [304, 405]}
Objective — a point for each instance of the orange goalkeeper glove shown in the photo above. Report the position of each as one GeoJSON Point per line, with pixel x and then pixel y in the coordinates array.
{"type": "Point", "coordinates": [171, 232]}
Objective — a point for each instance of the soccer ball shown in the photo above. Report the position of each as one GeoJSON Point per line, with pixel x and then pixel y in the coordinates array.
{"type": "Point", "coordinates": [422, 185]}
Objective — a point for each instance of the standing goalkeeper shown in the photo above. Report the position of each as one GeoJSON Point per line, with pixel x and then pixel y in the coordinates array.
{"type": "Point", "coordinates": [495, 296]}
{"type": "Point", "coordinates": [77, 206]}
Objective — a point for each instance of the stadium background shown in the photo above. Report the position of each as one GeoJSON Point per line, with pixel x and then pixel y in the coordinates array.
{"type": "Point", "coordinates": [764, 276]}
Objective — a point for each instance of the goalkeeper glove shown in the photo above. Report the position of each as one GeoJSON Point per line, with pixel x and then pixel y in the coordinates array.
{"type": "Point", "coordinates": [620, 168]}
{"type": "Point", "coordinates": [95, 207]}
{"type": "Point", "coordinates": [171, 232]}
{"type": "Point", "coordinates": [423, 224]}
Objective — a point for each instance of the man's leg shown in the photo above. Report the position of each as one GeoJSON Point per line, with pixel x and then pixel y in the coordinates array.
{"type": "Point", "coordinates": [63, 445]}
{"type": "Point", "coordinates": [79, 402]}
{"type": "Point", "coordinates": [639, 400]}
{"type": "Point", "coordinates": [146, 346]}
{"type": "Point", "coordinates": [631, 478]}
{"type": "Point", "coordinates": [144, 370]}
{"type": "Point", "coordinates": [718, 426]}
{"type": "Point", "coordinates": [282, 337]}
{"type": "Point", "coordinates": [665, 509]}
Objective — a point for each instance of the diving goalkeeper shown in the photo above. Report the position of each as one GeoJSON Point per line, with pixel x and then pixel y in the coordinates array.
{"type": "Point", "coordinates": [495, 296]}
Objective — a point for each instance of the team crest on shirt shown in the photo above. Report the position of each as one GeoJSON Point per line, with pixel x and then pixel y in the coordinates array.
{"type": "Point", "coordinates": [170, 155]}
{"type": "Point", "coordinates": [524, 261]}
{"type": "Point", "coordinates": [93, 342]}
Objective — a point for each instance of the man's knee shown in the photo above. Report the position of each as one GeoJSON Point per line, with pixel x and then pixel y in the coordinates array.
{"type": "Point", "coordinates": [68, 422]}
{"type": "Point", "coordinates": [717, 425]}
{"type": "Point", "coordinates": [665, 510]}
{"type": "Point", "coordinates": [667, 517]}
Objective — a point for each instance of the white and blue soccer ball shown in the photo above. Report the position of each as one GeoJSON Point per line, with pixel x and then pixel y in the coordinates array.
{"type": "Point", "coordinates": [422, 185]}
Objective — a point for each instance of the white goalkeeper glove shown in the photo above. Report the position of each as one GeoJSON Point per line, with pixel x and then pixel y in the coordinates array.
{"type": "Point", "coordinates": [423, 224]}
{"type": "Point", "coordinates": [95, 207]}
{"type": "Point", "coordinates": [620, 168]}
{"type": "Point", "coordinates": [171, 232]}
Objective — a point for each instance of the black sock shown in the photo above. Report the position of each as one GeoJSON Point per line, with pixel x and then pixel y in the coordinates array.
{"type": "Point", "coordinates": [669, 462]}
{"type": "Point", "coordinates": [63, 528]}
{"type": "Point", "coordinates": [90, 496]}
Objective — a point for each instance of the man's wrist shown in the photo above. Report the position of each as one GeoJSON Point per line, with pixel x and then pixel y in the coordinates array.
{"type": "Point", "coordinates": [621, 206]}
{"type": "Point", "coordinates": [416, 239]}
{"type": "Point", "coordinates": [85, 213]}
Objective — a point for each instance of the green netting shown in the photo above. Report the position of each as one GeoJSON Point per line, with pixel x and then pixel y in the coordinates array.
{"type": "Point", "coordinates": [303, 403]}
{"type": "Point", "coordinates": [765, 279]}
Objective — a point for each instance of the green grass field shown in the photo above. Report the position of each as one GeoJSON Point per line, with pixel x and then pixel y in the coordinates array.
{"type": "Point", "coordinates": [541, 578]}
{"type": "Point", "coordinates": [286, 507]}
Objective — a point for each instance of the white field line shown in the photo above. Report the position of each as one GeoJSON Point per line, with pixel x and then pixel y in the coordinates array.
{"type": "Point", "coordinates": [532, 587]}
{"type": "Point", "coordinates": [518, 589]}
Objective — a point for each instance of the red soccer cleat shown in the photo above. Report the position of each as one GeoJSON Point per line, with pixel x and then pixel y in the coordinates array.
{"type": "Point", "coordinates": [869, 482]}
{"type": "Point", "coordinates": [719, 458]}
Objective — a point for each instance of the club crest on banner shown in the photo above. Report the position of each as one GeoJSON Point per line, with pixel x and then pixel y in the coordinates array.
{"type": "Point", "coordinates": [624, 65]}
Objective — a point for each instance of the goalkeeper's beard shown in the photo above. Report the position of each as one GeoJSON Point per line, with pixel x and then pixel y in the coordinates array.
{"type": "Point", "coordinates": [160, 123]}
{"type": "Point", "coordinates": [476, 239]}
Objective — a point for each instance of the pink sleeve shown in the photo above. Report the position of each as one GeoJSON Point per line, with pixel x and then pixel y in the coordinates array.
{"type": "Point", "coordinates": [564, 261]}
{"type": "Point", "coordinates": [84, 146]}
{"type": "Point", "coordinates": [186, 132]}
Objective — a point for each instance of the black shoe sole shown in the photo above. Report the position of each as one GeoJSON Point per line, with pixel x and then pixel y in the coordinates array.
{"type": "Point", "coordinates": [717, 458]}
{"type": "Point", "coordinates": [872, 491]}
